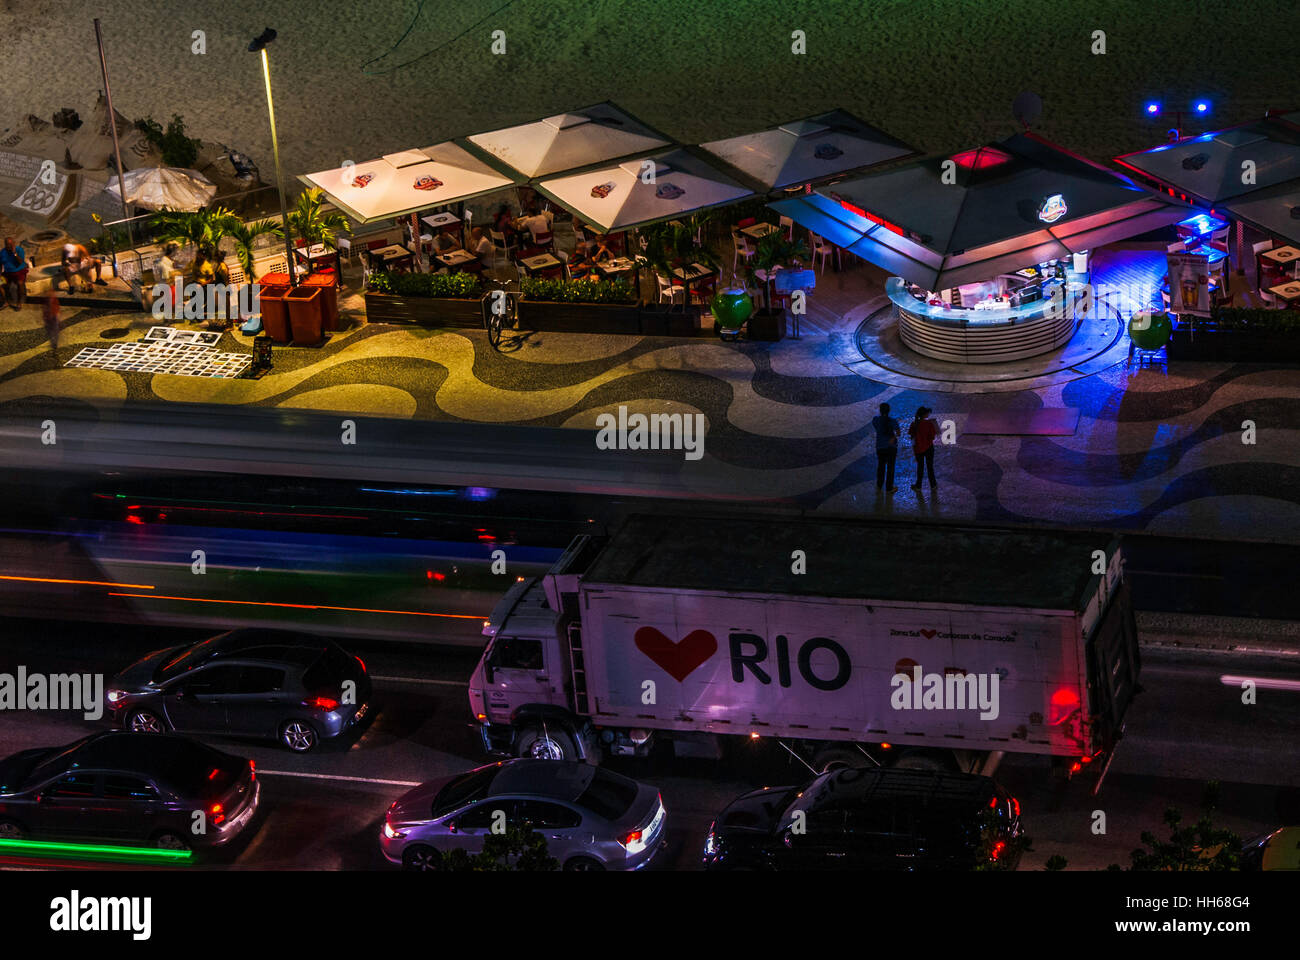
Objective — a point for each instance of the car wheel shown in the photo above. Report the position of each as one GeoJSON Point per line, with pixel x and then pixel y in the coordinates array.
{"type": "Point", "coordinates": [144, 721]}
{"type": "Point", "coordinates": [11, 830]}
{"type": "Point", "coordinates": [584, 863]}
{"type": "Point", "coordinates": [170, 841]}
{"type": "Point", "coordinates": [839, 758]}
{"type": "Point", "coordinates": [298, 735]}
{"type": "Point", "coordinates": [538, 744]}
{"type": "Point", "coordinates": [419, 857]}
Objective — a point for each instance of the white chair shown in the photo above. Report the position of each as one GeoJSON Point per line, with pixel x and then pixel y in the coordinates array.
{"type": "Point", "coordinates": [743, 249]}
{"type": "Point", "coordinates": [501, 247]}
{"type": "Point", "coordinates": [1178, 247]}
{"type": "Point", "coordinates": [788, 226]}
{"type": "Point", "coordinates": [669, 292]}
{"type": "Point", "coordinates": [820, 248]}
{"type": "Point", "coordinates": [345, 250]}
{"type": "Point", "coordinates": [1262, 247]}
{"type": "Point", "coordinates": [1220, 236]}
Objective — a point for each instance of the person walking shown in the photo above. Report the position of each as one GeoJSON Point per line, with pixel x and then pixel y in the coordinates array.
{"type": "Point", "coordinates": [50, 314]}
{"type": "Point", "coordinates": [887, 433]}
{"type": "Point", "coordinates": [923, 430]}
{"type": "Point", "coordinates": [14, 265]}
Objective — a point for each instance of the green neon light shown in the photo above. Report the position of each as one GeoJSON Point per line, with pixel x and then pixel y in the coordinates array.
{"type": "Point", "coordinates": [105, 850]}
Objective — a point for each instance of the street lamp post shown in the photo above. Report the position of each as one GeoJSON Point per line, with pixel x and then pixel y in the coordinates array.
{"type": "Point", "coordinates": [258, 45]}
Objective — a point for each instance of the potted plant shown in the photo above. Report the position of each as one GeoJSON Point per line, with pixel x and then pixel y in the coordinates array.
{"type": "Point", "coordinates": [772, 252]}
{"type": "Point", "coordinates": [201, 228]}
{"type": "Point", "coordinates": [580, 306]}
{"type": "Point", "coordinates": [435, 299]}
{"type": "Point", "coordinates": [311, 225]}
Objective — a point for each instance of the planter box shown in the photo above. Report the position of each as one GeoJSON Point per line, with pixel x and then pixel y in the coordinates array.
{"type": "Point", "coordinates": [1235, 345]}
{"type": "Point", "coordinates": [275, 313]}
{"type": "Point", "coordinates": [428, 311]}
{"type": "Point", "coordinates": [665, 320]}
{"type": "Point", "coordinates": [545, 315]}
{"type": "Point", "coordinates": [766, 325]}
{"type": "Point", "coordinates": [305, 319]}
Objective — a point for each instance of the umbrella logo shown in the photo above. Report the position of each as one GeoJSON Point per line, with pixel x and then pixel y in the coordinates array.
{"type": "Point", "coordinates": [827, 151]}
{"type": "Point", "coordinates": [669, 191]}
{"type": "Point", "coordinates": [362, 179]}
{"type": "Point", "coordinates": [428, 183]}
{"type": "Point", "coordinates": [602, 190]}
{"type": "Point", "coordinates": [1052, 209]}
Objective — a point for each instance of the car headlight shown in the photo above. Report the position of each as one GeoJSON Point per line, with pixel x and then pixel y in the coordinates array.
{"type": "Point", "coordinates": [711, 845]}
{"type": "Point", "coordinates": [116, 696]}
{"type": "Point", "coordinates": [391, 833]}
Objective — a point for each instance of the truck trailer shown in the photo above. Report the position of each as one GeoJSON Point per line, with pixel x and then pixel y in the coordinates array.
{"type": "Point", "coordinates": [851, 642]}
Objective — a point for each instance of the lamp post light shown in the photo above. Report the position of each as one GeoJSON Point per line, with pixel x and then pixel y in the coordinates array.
{"type": "Point", "coordinates": [1200, 108]}
{"type": "Point", "coordinates": [258, 45]}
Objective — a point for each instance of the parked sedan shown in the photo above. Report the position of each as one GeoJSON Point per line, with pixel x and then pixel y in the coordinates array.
{"type": "Point", "coordinates": [592, 819]}
{"type": "Point", "coordinates": [128, 788]}
{"type": "Point", "coordinates": [869, 819]}
{"type": "Point", "coordinates": [270, 684]}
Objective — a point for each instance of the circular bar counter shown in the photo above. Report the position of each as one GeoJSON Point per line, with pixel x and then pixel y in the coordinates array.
{"type": "Point", "coordinates": [984, 336]}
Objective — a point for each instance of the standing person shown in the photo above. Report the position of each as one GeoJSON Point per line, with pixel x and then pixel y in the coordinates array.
{"type": "Point", "coordinates": [164, 271]}
{"type": "Point", "coordinates": [887, 433]}
{"type": "Point", "coordinates": [923, 430]}
{"type": "Point", "coordinates": [14, 264]}
{"type": "Point", "coordinates": [50, 314]}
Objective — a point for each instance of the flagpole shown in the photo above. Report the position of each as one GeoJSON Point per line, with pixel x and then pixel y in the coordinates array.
{"type": "Point", "coordinates": [117, 149]}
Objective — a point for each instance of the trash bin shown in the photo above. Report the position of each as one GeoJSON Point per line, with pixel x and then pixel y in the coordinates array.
{"type": "Point", "coordinates": [275, 313]}
{"type": "Point", "coordinates": [327, 283]}
{"type": "Point", "coordinates": [304, 314]}
{"type": "Point", "coordinates": [275, 280]}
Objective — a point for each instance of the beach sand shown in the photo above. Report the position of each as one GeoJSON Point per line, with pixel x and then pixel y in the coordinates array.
{"type": "Point", "coordinates": [940, 75]}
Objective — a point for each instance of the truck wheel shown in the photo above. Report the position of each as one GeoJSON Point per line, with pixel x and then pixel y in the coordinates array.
{"type": "Point", "coordinates": [921, 760]}
{"type": "Point", "coordinates": [550, 744]}
{"type": "Point", "coordinates": [838, 758]}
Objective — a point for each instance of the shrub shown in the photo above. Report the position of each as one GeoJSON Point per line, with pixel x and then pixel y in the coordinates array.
{"type": "Point", "coordinates": [448, 285]}
{"type": "Point", "coordinates": [176, 148]}
{"type": "Point", "coordinates": [578, 291]}
{"type": "Point", "coordinates": [1254, 320]}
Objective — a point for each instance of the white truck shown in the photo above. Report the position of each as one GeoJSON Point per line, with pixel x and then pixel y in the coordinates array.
{"type": "Point", "coordinates": [851, 642]}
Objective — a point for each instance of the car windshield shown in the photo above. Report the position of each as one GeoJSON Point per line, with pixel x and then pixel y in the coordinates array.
{"type": "Point", "coordinates": [327, 674]}
{"type": "Point", "coordinates": [465, 789]}
{"type": "Point", "coordinates": [185, 659]}
{"type": "Point", "coordinates": [608, 795]}
{"type": "Point", "coordinates": [51, 766]}
{"type": "Point", "coordinates": [807, 798]}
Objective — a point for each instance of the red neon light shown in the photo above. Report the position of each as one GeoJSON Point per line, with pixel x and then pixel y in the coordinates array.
{"type": "Point", "coordinates": [981, 158]}
{"type": "Point", "coordinates": [853, 208]}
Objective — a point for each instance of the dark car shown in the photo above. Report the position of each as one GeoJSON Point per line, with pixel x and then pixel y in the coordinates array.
{"type": "Point", "coordinates": [869, 819]}
{"type": "Point", "coordinates": [127, 788]}
{"type": "Point", "coordinates": [269, 684]}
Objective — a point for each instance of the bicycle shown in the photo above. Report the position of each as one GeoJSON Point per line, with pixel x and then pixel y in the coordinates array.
{"type": "Point", "coordinates": [500, 307]}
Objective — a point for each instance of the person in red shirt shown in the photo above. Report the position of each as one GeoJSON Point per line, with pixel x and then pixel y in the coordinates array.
{"type": "Point", "coordinates": [923, 430]}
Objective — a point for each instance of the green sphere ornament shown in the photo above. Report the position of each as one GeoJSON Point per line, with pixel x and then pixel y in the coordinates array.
{"type": "Point", "coordinates": [731, 308]}
{"type": "Point", "coordinates": [1149, 330]}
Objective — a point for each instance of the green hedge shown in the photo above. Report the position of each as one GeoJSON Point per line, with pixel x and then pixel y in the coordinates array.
{"type": "Point", "coordinates": [578, 291]}
{"type": "Point", "coordinates": [444, 285]}
{"type": "Point", "coordinates": [1252, 320]}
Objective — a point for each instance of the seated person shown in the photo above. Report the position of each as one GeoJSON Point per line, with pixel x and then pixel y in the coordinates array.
{"type": "Point", "coordinates": [78, 262]}
{"type": "Point", "coordinates": [599, 249]}
{"type": "Point", "coordinates": [444, 243]}
{"type": "Point", "coordinates": [480, 244]}
{"type": "Point", "coordinates": [537, 224]}
{"type": "Point", "coordinates": [504, 221]}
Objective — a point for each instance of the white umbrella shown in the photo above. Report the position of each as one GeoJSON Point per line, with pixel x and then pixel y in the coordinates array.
{"type": "Point", "coordinates": [157, 187]}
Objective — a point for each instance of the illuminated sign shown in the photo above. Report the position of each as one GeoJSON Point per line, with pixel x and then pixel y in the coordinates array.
{"type": "Point", "coordinates": [1052, 209]}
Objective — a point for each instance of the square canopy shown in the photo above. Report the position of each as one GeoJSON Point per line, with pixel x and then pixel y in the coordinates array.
{"type": "Point", "coordinates": [406, 182]}
{"type": "Point", "coordinates": [967, 217]}
{"type": "Point", "coordinates": [1211, 166]}
{"type": "Point", "coordinates": [569, 141]}
{"type": "Point", "coordinates": [805, 151]}
{"type": "Point", "coordinates": [1276, 210]}
{"type": "Point", "coordinates": [616, 198]}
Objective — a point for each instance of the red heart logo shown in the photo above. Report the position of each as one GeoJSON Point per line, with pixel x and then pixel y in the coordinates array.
{"type": "Point", "coordinates": [677, 660]}
{"type": "Point", "coordinates": [929, 634]}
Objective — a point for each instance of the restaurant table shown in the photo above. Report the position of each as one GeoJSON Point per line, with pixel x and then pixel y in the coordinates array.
{"type": "Point", "coordinates": [315, 253]}
{"type": "Point", "coordinates": [1201, 225]}
{"type": "Point", "coordinates": [394, 255]}
{"type": "Point", "coordinates": [543, 261]}
{"type": "Point", "coordinates": [1289, 292]}
{"type": "Point", "coordinates": [758, 231]}
{"type": "Point", "coordinates": [698, 272]}
{"type": "Point", "coordinates": [441, 221]}
{"type": "Point", "coordinates": [611, 268]}
{"type": "Point", "coordinates": [456, 259]}
{"type": "Point", "coordinates": [1278, 263]}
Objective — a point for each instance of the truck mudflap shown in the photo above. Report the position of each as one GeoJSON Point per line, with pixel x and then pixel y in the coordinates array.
{"type": "Point", "coordinates": [498, 740]}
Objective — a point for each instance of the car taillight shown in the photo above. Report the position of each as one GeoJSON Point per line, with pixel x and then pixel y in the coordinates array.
{"type": "Point", "coordinates": [1015, 805]}
{"type": "Point", "coordinates": [997, 849]}
{"type": "Point", "coordinates": [215, 814]}
{"type": "Point", "coordinates": [363, 664]}
{"type": "Point", "coordinates": [216, 771]}
{"type": "Point", "coordinates": [322, 703]}
{"type": "Point", "coordinates": [252, 770]}
{"type": "Point", "coordinates": [993, 802]}
{"type": "Point", "coordinates": [634, 842]}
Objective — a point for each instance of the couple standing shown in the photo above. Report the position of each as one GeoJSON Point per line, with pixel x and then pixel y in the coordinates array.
{"type": "Point", "coordinates": [922, 430]}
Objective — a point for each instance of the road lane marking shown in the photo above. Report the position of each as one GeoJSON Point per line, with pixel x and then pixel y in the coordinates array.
{"type": "Point", "coordinates": [82, 583]}
{"type": "Point", "coordinates": [441, 683]}
{"type": "Point", "coordinates": [331, 776]}
{"type": "Point", "coordinates": [1265, 683]}
{"type": "Point", "coordinates": [298, 606]}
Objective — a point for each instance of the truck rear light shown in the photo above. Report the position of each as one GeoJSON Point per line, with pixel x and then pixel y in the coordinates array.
{"type": "Point", "coordinates": [1085, 759]}
{"type": "Point", "coordinates": [1063, 704]}
{"type": "Point", "coordinates": [214, 812]}
{"type": "Point", "coordinates": [997, 850]}
{"type": "Point", "coordinates": [321, 703]}
{"type": "Point", "coordinates": [993, 803]}
{"type": "Point", "coordinates": [753, 734]}
{"type": "Point", "coordinates": [1076, 767]}
{"type": "Point", "coordinates": [886, 746]}
{"type": "Point", "coordinates": [1015, 805]}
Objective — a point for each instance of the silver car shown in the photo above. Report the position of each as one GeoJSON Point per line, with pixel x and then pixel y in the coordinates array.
{"type": "Point", "coordinates": [592, 819]}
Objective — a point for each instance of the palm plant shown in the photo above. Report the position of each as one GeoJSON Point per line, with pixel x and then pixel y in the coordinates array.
{"type": "Point", "coordinates": [669, 245]}
{"type": "Point", "coordinates": [202, 228]}
{"type": "Point", "coordinates": [772, 251]}
{"type": "Point", "coordinates": [245, 236]}
{"type": "Point", "coordinates": [313, 226]}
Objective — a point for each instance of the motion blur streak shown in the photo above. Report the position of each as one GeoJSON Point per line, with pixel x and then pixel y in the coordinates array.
{"type": "Point", "coordinates": [1264, 683]}
{"type": "Point", "coordinates": [82, 583]}
{"type": "Point", "coordinates": [303, 606]}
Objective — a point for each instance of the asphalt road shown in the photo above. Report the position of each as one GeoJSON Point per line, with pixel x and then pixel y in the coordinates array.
{"type": "Point", "coordinates": [322, 811]}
